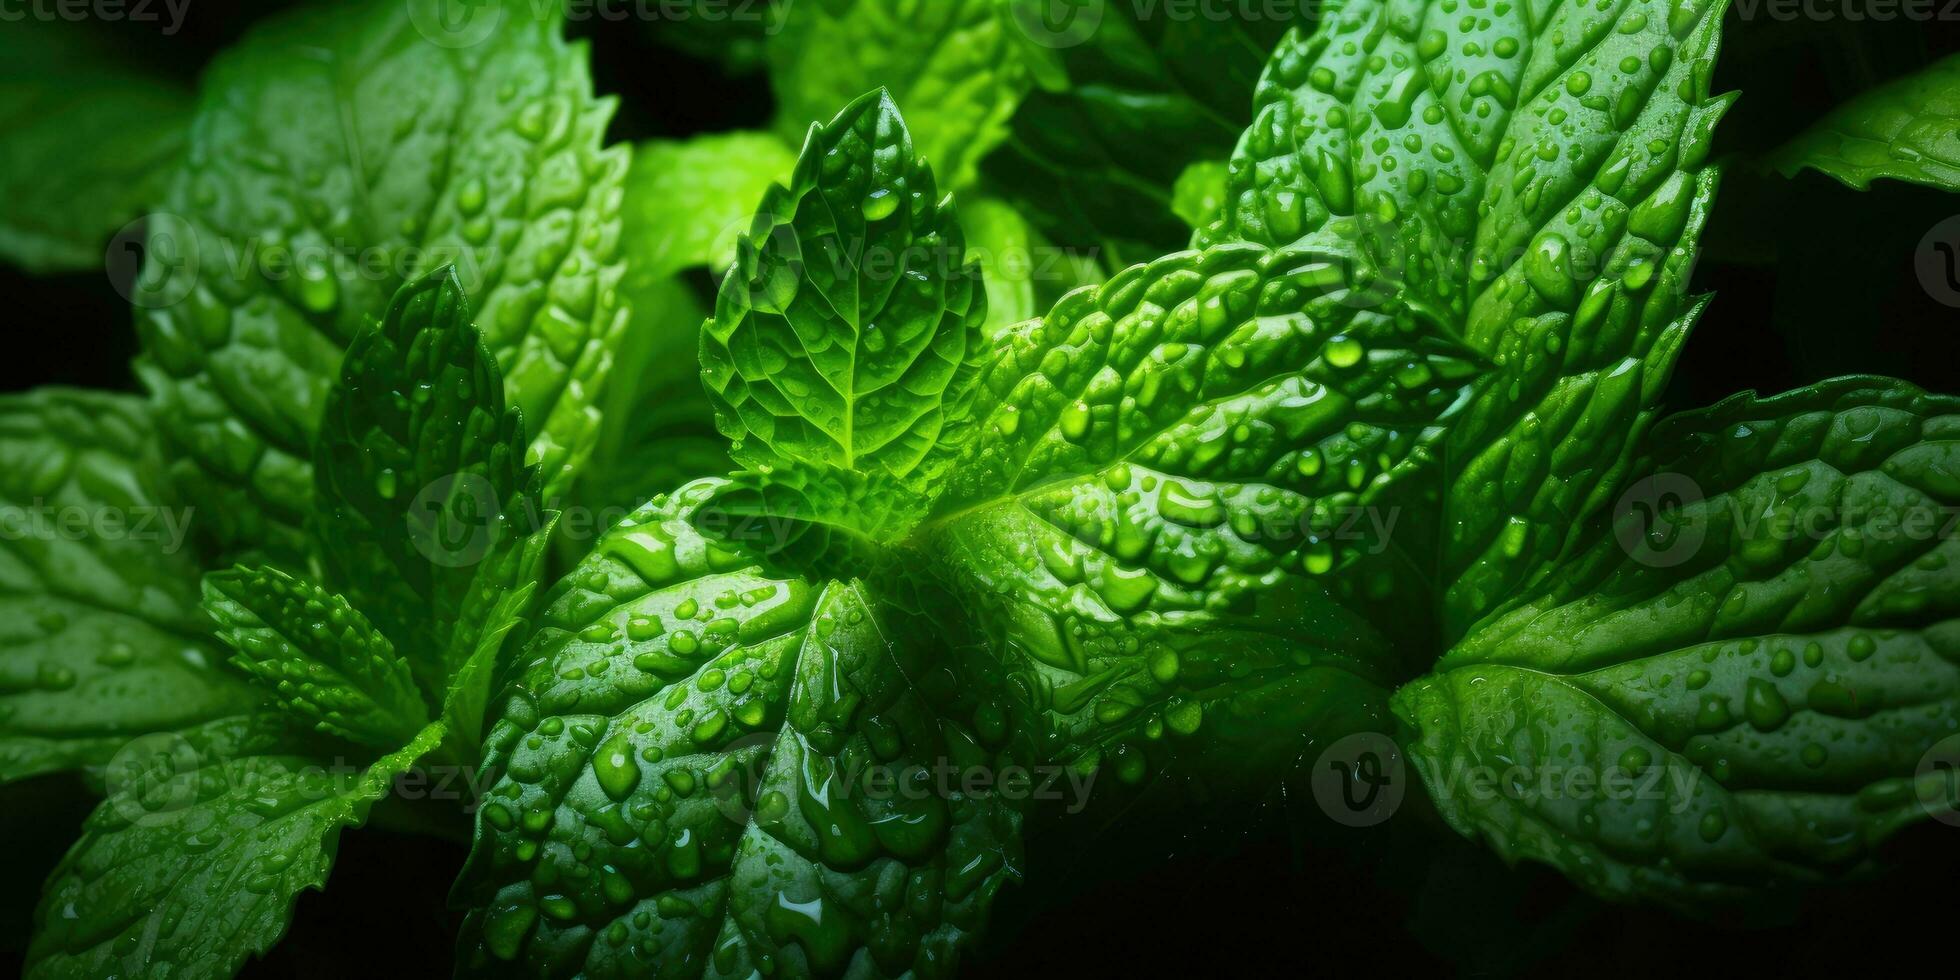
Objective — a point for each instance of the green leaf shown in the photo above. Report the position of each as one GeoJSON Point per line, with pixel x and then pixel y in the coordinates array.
{"type": "Point", "coordinates": [316, 655]}
{"type": "Point", "coordinates": [838, 356]}
{"type": "Point", "coordinates": [337, 153]}
{"type": "Point", "coordinates": [660, 426]}
{"type": "Point", "coordinates": [495, 612]}
{"type": "Point", "coordinates": [949, 62]}
{"type": "Point", "coordinates": [193, 867]}
{"type": "Point", "coordinates": [1199, 195]}
{"type": "Point", "coordinates": [683, 789]}
{"type": "Point", "coordinates": [1768, 634]}
{"type": "Point", "coordinates": [88, 145]}
{"type": "Point", "coordinates": [1128, 100]}
{"type": "Point", "coordinates": [1907, 129]}
{"type": "Point", "coordinates": [688, 200]}
{"type": "Point", "coordinates": [1183, 487]}
{"type": "Point", "coordinates": [419, 470]}
{"type": "Point", "coordinates": [1009, 259]}
{"type": "Point", "coordinates": [1538, 178]}
{"type": "Point", "coordinates": [101, 638]}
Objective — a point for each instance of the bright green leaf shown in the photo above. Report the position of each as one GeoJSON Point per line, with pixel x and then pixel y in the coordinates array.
{"type": "Point", "coordinates": [495, 613]}
{"type": "Point", "coordinates": [89, 145]}
{"type": "Point", "coordinates": [838, 356]}
{"type": "Point", "coordinates": [692, 761]}
{"type": "Point", "coordinates": [1004, 248]}
{"type": "Point", "coordinates": [1907, 129]}
{"type": "Point", "coordinates": [1539, 179]}
{"type": "Point", "coordinates": [337, 153]}
{"type": "Point", "coordinates": [1182, 487]}
{"type": "Point", "coordinates": [1199, 195]}
{"type": "Point", "coordinates": [317, 656]}
{"type": "Point", "coordinates": [688, 200]}
{"type": "Point", "coordinates": [101, 638]}
{"type": "Point", "coordinates": [948, 62]}
{"type": "Point", "coordinates": [1766, 638]}
{"type": "Point", "coordinates": [419, 469]}
{"type": "Point", "coordinates": [194, 867]}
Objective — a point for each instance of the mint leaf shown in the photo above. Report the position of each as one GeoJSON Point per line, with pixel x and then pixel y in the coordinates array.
{"type": "Point", "coordinates": [1130, 95]}
{"type": "Point", "coordinates": [1902, 130]}
{"type": "Point", "coordinates": [316, 655]}
{"type": "Point", "coordinates": [837, 358]}
{"type": "Point", "coordinates": [338, 153]}
{"type": "Point", "coordinates": [951, 64]}
{"type": "Point", "coordinates": [193, 867]}
{"type": "Point", "coordinates": [88, 145]}
{"type": "Point", "coordinates": [101, 638]}
{"type": "Point", "coordinates": [1769, 631]}
{"type": "Point", "coordinates": [683, 788]}
{"type": "Point", "coordinates": [1537, 178]}
{"type": "Point", "coordinates": [1009, 258]}
{"type": "Point", "coordinates": [1199, 194]}
{"type": "Point", "coordinates": [420, 471]}
{"type": "Point", "coordinates": [687, 200]}
{"type": "Point", "coordinates": [1181, 488]}
{"type": "Point", "coordinates": [686, 203]}
{"type": "Point", "coordinates": [495, 611]}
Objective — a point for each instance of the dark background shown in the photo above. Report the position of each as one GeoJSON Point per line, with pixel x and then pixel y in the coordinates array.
{"type": "Point", "coordinates": [1812, 280]}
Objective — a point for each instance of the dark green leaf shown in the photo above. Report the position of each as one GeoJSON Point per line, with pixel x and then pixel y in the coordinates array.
{"type": "Point", "coordinates": [101, 639]}
{"type": "Point", "coordinates": [1765, 642]}
{"type": "Point", "coordinates": [683, 789]}
{"type": "Point", "coordinates": [337, 153]}
{"type": "Point", "coordinates": [1908, 129]}
{"type": "Point", "coordinates": [420, 472]}
{"type": "Point", "coordinates": [317, 656]}
{"type": "Point", "coordinates": [192, 866]}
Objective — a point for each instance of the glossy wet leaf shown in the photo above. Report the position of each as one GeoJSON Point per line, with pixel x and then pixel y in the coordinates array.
{"type": "Point", "coordinates": [1907, 129]}
{"type": "Point", "coordinates": [192, 866]}
{"type": "Point", "coordinates": [1765, 643]}
{"type": "Point", "coordinates": [684, 788]}
{"type": "Point", "coordinates": [337, 153]}
{"type": "Point", "coordinates": [1538, 177]}
{"type": "Point", "coordinates": [101, 638]}
{"type": "Point", "coordinates": [317, 656]}
{"type": "Point", "coordinates": [420, 472]}
{"type": "Point", "coordinates": [839, 354]}
{"type": "Point", "coordinates": [1173, 495]}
